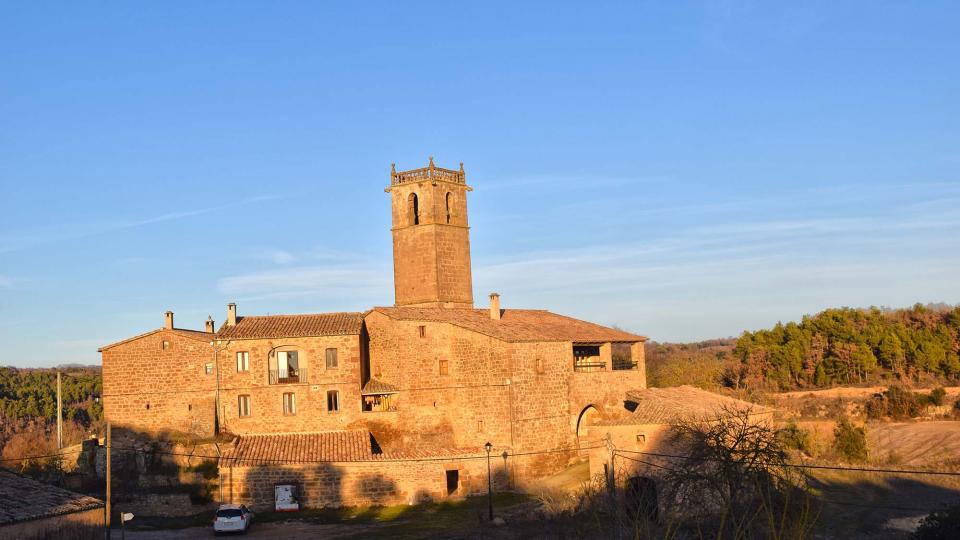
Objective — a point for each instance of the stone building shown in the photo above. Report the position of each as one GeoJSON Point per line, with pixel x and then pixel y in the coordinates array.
{"type": "Point", "coordinates": [431, 373]}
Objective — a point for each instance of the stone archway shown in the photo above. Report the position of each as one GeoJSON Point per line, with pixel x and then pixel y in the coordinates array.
{"type": "Point", "coordinates": [587, 417]}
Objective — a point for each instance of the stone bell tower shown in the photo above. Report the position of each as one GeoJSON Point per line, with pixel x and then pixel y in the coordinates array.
{"type": "Point", "coordinates": [431, 239]}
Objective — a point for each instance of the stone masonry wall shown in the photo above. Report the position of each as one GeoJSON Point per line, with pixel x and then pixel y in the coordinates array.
{"type": "Point", "coordinates": [266, 400]}
{"type": "Point", "coordinates": [150, 389]}
{"type": "Point", "coordinates": [431, 259]}
{"type": "Point", "coordinates": [361, 483]}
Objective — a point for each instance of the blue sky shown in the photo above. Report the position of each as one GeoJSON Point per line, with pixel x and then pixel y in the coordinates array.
{"type": "Point", "coordinates": [681, 170]}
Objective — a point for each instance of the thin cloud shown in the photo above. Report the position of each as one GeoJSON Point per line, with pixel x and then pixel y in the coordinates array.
{"type": "Point", "coordinates": [63, 232]}
{"type": "Point", "coordinates": [332, 280]}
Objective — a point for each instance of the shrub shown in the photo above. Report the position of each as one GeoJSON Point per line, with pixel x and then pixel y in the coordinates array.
{"type": "Point", "coordinates": [940, 525]}
{"type": "Point", "coordinates": [794, 437]}
{"type": "Point", "coordinates": [876, 407]}
{"type": "Point", "coordinates": [902, 403]}
{"type": "Point", "coordinates": [937, 396]}
{"type": "Point", "coordinates": [850, 441]}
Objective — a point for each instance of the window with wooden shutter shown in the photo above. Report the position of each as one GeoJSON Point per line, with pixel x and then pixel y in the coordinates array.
{"type": "Point", "coordinates": [331, 359]}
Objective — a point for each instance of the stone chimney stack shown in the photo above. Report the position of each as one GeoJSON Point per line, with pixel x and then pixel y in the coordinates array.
{"type": "Point", "coordinates": [208, 326]}
{"type": "Point", "coordinates": [495, 306]}
{"type": "Point", "coordinates": [231, 314]}
{"type": "Point", "coordinates": [168, 320]}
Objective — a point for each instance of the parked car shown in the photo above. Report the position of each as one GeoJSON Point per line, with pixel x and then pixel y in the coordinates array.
{"type": "Point", "coordinates": [232, 518]}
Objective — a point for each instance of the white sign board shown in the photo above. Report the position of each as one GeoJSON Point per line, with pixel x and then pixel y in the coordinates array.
{"type": "Point", "coordinates": [126, 516]}
{"type": "Point", "coordinates": [285, 498]}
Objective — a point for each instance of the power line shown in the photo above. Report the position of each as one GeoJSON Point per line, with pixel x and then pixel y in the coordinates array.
{"type": "Point", "coordinates": [26, 458]}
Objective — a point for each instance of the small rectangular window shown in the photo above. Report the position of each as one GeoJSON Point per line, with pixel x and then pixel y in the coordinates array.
{"type": "Point", "coordinates": [243, 406]}
{"type": "Point", "coordinates": [333, 401]}
{"type": "Point", "coordinates": [243, 361]}
{"type": "Point", "coordinates": [444, 369]}
{"type": "Point", "coordinates": [166, 345]}
{"type": "Point", "coordinates": [289, 404]}
{"type": "Point", "coordinates": [539, 365]}
{"type": "Point", "coordinates": [479, 425]}
{"type": "Point", "coordinates": [208, 368]}
{"type": "Point", "coordinates": [331, 359]}
{"type": "Point", "coordinates": [423, 331]}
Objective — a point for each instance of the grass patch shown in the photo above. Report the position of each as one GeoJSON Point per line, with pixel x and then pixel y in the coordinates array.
{"type": "Point", "coordinates": [404, 521]}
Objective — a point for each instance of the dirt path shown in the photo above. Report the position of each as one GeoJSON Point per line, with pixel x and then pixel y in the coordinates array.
{"type": "Point", "coordinates": [850, 392]}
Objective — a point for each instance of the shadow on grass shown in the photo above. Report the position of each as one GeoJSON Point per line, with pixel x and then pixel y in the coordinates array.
{"type": "Point", "coordinates": [863, 503]}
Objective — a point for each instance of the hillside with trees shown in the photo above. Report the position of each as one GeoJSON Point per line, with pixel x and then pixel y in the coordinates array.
{"type": "Point", "coordinates": [28, 408]}
{"type": "Point", "coordinates": [843, 346]}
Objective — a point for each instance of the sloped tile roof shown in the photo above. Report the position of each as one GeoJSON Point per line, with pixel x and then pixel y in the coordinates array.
{"type": "Point", "coordinates": [183, 332]}
{"type": "Point", "coordinates": [277, 449]}
{"type": "Point", "coordinates": [374, 386]}
{"type": "Point", "coordinates": [330, 447]}
{"type": "Point", "coordinates": [25, 499]}
{"type": "Point", "coordinates": [668, 405]}
{"type": "Point", "coordinates": [516, 325]}
{"type": "Point", "coordinates": [280, 326]}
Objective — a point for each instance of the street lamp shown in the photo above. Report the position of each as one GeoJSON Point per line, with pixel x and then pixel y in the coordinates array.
{"type": "Point", "coordinates": [489, 447]}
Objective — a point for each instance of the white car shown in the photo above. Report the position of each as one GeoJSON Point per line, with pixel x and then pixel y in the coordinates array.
{"type": "Point", "coordinates": [232, 518]}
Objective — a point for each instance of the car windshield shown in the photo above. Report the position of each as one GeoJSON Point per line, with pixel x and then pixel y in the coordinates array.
{"type": "Point", "coordinates": [229, 513]}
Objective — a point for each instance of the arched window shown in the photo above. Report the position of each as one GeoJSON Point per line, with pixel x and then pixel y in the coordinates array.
{"type": "Point", "coordinates": [449, 206]}
{"type": "Point", "coordinates": [413, 209]}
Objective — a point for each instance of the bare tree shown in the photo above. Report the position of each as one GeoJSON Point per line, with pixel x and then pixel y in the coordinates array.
{"type": "Point", "coordinates": [735, 471]}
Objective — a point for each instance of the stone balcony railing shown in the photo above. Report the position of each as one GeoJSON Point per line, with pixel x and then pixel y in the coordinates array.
{"type": "Point", "coordinates": [429, 173]}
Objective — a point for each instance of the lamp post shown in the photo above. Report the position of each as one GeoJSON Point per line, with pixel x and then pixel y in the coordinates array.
{"type": "Point", "coordinates": [489, 447]}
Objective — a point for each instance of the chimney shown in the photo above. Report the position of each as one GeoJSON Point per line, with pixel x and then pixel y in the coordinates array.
{"type": "Point", "coordinates": [495, 306]}
{"type": "Point", "coordinates": [168, 320]}
{"type": "Point", "coordinates": [231, 314]}
{"type": "Point", "coordinates": [208, 326]}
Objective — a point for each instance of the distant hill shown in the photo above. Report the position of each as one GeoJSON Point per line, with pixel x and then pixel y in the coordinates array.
{"type": "Point", "coordinates": [835, 346]}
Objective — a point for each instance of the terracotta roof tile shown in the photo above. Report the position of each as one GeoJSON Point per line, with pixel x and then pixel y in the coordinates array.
{"type": "Point", "coordinates": [273, 449]}
{"type": "Point", "coordinates": [516, 325]}
{"type": "Point", "coordinates": [25, 499]}
{"type": "Point", "coordinates": [668, 405]}
{"type": "Point", "coordinates": [329, 446]}
{"type": "Point", "coordinates": [278, 326]}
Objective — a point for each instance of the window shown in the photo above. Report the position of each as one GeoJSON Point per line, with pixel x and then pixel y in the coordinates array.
{"type": "Point", "coordinates": [289, 404]}
{"type": "Point", "coordinates": [243, 361]}
{"type": "Point", "coordinates": [331, 359]}
{"type": "Point", "coordinates": [413, 209]}
{"type": "Point", "coordinates": [539, 365]}
{"type": "Point", "coordinates": [453, 482]}
{"type": "Point", "coordinates": [333, 400]}
{"type": "Point", "coordinates": [423, 330]}
{"type": "Point", "coordinates": [208, 368]}
{"type": "Point", "coordinates": [166, 345]}
{"type": "Point", "coordinates": [444, 369]}
{"type": "Point", "coordinates": [479, 425]}
{"type": "Point", "coordinates": [285, 368]}
{"type": "Point", "coordinates": [243, 406]}
{"type": "Point", "coordinates": [148, 406]}
{"type": "Point", "coordinates": [449, 200]}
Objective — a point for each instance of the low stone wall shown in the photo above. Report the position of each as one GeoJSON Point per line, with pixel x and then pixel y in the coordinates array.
{"type": "Point", "coordinates": [362, 483]}
{"type": "Point", "coordinates": [161, 505]}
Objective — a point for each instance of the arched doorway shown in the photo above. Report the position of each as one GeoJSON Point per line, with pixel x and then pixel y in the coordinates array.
{"type": "Point", "coordinates": [587, 417]}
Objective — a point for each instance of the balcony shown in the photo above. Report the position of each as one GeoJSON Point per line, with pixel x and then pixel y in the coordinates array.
{"type": "Point", "coordinates": [290, 376]}
{"type": "Point", "coordinates": [588, 366]}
